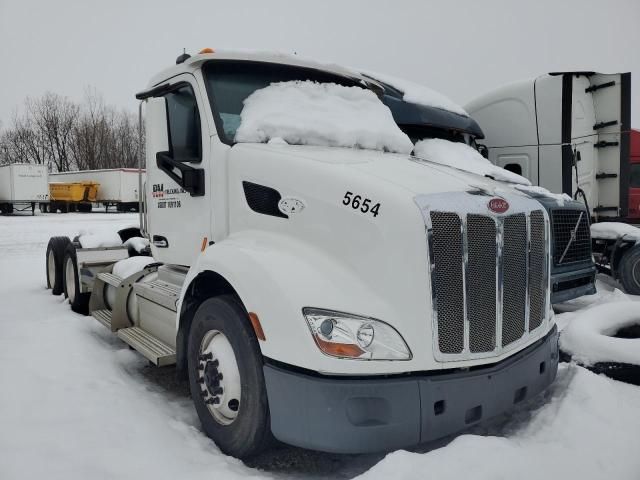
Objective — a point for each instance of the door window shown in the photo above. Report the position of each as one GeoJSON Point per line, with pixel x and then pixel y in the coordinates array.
{"type": "Point", "coordinates": [185, 138]}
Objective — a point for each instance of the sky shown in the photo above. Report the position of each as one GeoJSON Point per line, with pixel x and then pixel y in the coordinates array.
{"type": "Point", "coordinates": [460, 48]}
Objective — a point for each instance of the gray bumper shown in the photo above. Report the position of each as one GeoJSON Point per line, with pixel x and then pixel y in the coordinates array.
{"type": "Point", "coordinates": [358, 415]}
{"type": "Point", "coordinates": [572, 284]}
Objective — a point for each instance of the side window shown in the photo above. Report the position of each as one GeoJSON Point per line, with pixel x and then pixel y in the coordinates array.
{"type": "Point", "coordinates": [185, 140]}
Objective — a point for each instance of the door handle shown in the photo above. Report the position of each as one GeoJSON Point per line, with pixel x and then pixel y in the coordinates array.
{"type": "Point", "coordinates": [160, 242]}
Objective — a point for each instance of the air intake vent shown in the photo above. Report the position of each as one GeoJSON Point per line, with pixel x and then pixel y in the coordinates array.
{"type": "Point", "coordinates": [263, 199]}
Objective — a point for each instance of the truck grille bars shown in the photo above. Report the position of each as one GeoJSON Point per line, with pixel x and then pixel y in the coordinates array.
{"type": "Point", "coordinates": [571, 236]}
{"type": "Point", "coordinates": [489, 276]}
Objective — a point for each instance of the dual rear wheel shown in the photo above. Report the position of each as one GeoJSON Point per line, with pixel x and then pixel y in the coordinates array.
{"type": "Point", "coordinates": [62, 273]}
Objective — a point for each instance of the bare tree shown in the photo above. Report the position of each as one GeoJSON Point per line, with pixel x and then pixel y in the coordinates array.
{"type": "Point", "coordinates": [54, 131]}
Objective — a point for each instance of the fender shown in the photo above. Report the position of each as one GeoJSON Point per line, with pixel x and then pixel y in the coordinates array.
{"type": "Point", "coordinates": [275, 276]}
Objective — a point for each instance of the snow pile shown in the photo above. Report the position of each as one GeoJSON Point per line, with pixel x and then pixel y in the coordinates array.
{"type": "Point", "coordinates": [588, 338]}
{"type": "Point", "coordinates": [322, 114]}
{"type": "Point", "coordinates": [418, 94]}
{"type": "Point", "coordinates": [615, 230]}
{"type": "Point", "coordinates": [586, 429]}
{"type": "Point", "coordinates": [463, 157]}
{"type": "Point", "coordinates": [139, 244]}
{"type": "Point", "coordinates": [131, 265]}
{"type": "Point", "coordinates": [104, 238]}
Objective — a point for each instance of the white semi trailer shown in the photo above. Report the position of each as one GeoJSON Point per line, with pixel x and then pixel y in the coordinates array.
{"type": "Point", "coordinates": [119, 187]}
{"type": "Point", "coordinates": [570, 133]}
{"type": "Point", "coordinates": [22, 186]}
{"type": "Point", "coordinates": [338, 299]}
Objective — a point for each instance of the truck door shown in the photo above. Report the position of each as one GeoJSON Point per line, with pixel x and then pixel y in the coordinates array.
{"type": "Point", "coordinates": [178, 202]}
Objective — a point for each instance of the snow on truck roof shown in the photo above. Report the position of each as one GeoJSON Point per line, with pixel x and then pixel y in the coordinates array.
{"type": "Point", "coordinates": [411, 92]}
{"type": "Point", "coordinates": [194, 62]}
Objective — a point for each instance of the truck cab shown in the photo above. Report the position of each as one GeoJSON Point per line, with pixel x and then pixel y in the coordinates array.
{"type": "Point", "coordinates": [333, 292]}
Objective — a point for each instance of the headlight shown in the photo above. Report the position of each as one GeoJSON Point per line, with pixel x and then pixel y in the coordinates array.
{"type": "Point", "coordinates": [345, 335]}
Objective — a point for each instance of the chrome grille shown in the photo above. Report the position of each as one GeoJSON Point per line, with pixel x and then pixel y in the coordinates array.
{"type": "Point", "coordinates": [570, 227]}
{"type": "Point", "coordinates": [537, 276]}
{"type": "Point", "coordinates": [447, 277]}
{"type": "Point", "coordinates": [489, 280]}
{"type": "Point", "coordinates": [481, 284]}
{"type": "Point", "coordinates": [514, 259]}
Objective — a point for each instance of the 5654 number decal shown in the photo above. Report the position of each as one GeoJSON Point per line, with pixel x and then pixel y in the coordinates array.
{"type": "Point", "coordinates": [365, 205]}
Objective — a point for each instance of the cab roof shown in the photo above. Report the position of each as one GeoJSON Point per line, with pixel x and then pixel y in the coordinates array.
{"type": "Point", "coordinates": [194, 63]}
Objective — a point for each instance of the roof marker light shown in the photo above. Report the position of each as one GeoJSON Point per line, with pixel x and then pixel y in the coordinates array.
{"type": "Point", "coordinates": [206, 50]}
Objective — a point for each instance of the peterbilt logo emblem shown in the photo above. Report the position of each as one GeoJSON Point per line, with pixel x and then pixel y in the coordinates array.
{"type": "Point", "coordinates": [498, 205]}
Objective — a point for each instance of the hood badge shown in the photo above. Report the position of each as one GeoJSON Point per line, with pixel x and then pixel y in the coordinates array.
{"type": "Point", "coordinates": [290, 205]}
{"type": "Point", "coordinates": [498, 205]}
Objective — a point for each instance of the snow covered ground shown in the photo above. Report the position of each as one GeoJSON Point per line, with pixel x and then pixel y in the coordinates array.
{"type": "Point", "coordinates": [75, 403]}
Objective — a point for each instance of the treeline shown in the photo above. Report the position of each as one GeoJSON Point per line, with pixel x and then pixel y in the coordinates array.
{"type": "Point", "coordinates": [65, 135]}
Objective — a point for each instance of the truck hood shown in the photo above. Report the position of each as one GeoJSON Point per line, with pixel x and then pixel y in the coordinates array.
{"type": "Point", "coordinates": [413, 174]}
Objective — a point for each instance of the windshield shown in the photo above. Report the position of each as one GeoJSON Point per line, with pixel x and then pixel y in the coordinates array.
{"type": "Point", "coordinates": [229, 83]}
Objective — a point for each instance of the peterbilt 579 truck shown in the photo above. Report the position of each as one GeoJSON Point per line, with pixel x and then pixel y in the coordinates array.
{"type": "Point", "coordinates": [338, 299]}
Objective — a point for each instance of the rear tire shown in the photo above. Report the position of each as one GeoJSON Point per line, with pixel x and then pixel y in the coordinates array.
{"type": "Point", "coordinates": [79, 301]}
{"type": "Point", "coordinates": [239, 421]}
{"type": "Point", "coordinates": [629, 270]}
{"type": "Point", "coordinates": [53, 263]}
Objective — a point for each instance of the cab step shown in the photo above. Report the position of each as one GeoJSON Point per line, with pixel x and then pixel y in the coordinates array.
{"type": "Point", "coordinates": [159, 292]}
{"type": "Point", "coordinates": [103, 316]}
{"type": "Point", "coordinates": [110, 278]}
{"type": "Point", "coordinates": [156, 351]}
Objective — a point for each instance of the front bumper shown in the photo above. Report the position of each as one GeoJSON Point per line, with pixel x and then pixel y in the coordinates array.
{"type": "Point", "coordinates": [358, 415]}
{"type": "Point", "coordinates": [569, 284]}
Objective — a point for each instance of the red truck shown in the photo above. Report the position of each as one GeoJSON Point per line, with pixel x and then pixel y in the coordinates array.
{"type": "Point", "coordinates": [634, 177]}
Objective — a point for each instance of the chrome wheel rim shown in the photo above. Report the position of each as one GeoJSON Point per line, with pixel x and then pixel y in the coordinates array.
{"type": "Point", "coordinates": [51, 269]}
{"type": "Point", "coordinates": [70, 280]}
{"type": "Point", "coordinates": [219, 377]}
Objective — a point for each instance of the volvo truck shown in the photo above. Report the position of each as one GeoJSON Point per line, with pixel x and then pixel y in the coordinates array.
{"type": "Point", "coordinates": [338, 299]}
{"type": "Point", "coordinates": [570, 132]}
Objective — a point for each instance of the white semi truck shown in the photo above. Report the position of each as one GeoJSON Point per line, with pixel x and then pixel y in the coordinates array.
{"type": "Point", "coordinates": [338, 299]}
{"type": "Point", "coordinates": [570, 133]}
{"type": "Point", "coordinates": [22, 186]}
{"type": "Point", "coordinates": [118, 187]}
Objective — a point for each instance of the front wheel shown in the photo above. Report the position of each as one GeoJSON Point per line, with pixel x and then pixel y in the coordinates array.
{"type": "Point", "coordinates": [629, 270]}
{"type": "Point", "coordinates": [226, 378]}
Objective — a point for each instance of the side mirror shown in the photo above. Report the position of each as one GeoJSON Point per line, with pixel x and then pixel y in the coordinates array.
{"type": "Point", "coordinates": [156, 127]}
{"type": "Point", "coordinates": [483, 150]}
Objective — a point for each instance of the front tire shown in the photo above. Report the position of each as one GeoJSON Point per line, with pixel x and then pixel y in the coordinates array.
{"type": "Point", "coordinates": [54, 263]}
{"type": "Point", "coordinates": [629, 269]}
{"type": "Point", "coordinates": [226, 378]}
{"type": "Point", "coordinates": [79, 301]}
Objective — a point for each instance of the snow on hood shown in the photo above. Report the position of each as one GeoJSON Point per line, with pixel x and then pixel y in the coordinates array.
{"type": "Point", "coordinates": [615, 230]}
{"type": "Point", "coordinates": [589, 336]}
{"type": "Point", "coordinates": [463, 157]}
{"type": "Point", "coordinates": [322, 114]}
{"type": "Point", "coordinates": [418, 94]}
